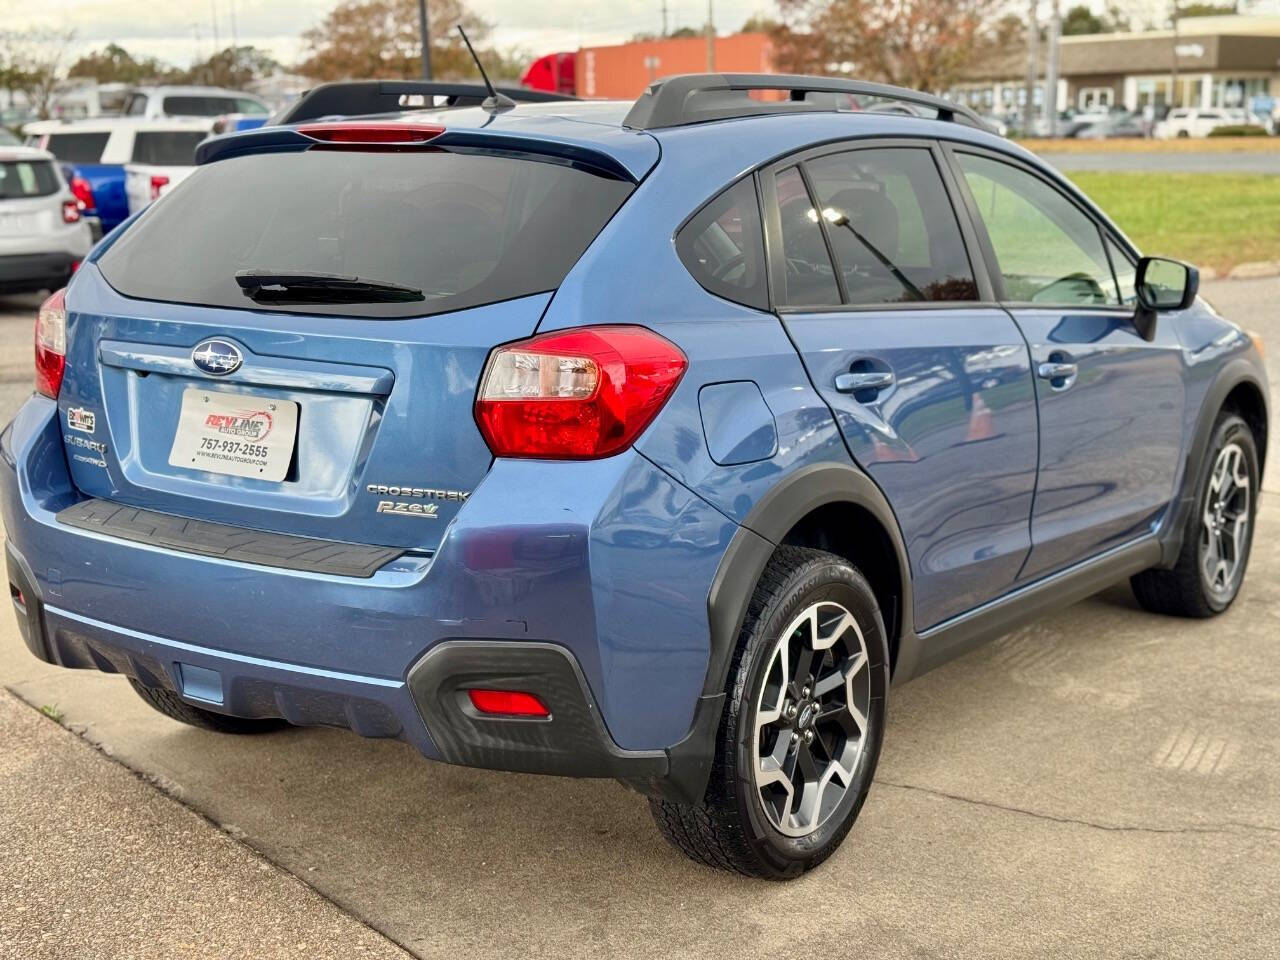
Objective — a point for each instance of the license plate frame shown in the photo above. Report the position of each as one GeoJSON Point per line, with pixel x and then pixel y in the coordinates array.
{"type": "Point", "coordinates": [235, 434]}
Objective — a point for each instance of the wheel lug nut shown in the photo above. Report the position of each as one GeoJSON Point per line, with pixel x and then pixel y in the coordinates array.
{"type": "Point", "coordinates": [791, 711]}
{"type": "Point", "coordinates": [804, 692]}
{"type": "Point", "coordinates": [795, 738]}
{"type": "Point", "coordinates": [808, 736]}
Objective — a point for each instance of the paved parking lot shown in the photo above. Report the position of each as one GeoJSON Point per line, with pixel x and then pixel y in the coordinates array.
{"type": "Point", "coordinates": [1102, 783]}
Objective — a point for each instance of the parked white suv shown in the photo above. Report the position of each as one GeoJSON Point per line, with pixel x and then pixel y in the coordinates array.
{"type": "Point", "coordinates": [43, 237]}
{"type": "Point", "coordinates": [172, 101]}
{"type": "Point", "coordinates": [1188, 122]}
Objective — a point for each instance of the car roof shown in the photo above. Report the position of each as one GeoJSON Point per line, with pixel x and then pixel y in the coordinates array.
{"type": "Point", "coordinates": [107, 124]}
{"type": "Point", "coordinates": [23, 153]}
{"type": "Point", "coordinates": [191, 90]}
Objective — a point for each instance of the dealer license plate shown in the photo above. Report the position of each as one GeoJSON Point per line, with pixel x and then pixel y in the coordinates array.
{"type": "Point", "coordinates": [236, 434]}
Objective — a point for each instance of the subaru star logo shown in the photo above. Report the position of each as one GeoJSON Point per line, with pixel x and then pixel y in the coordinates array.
{"type": "Point", "coordinates": [217, 357]}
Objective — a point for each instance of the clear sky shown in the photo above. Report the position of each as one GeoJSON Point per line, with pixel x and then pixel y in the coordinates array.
{"type": "Point", "coordinates": [178, 30]}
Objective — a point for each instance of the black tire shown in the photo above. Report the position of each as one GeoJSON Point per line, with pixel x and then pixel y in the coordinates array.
{"type": "Point", "coordinates": [730, 829]}
{"type": "Point", "coordinates": [1186, 590]}
{"type": "Point", "coordinates": [174, 707]}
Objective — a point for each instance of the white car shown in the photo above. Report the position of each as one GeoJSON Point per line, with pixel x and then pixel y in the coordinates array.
{"type": "Point", "coordinates": [173, 101]}
{"type": "Point", "coordinates": [98, 150]}
{"type": "Point", "coordinates": [43, 237]}
{"type": "Point", "coordinates": [1189, 122]}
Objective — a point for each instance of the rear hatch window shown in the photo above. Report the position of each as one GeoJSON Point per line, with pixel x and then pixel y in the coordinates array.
{"type": "Point", "coordinates": [77, 147]}
{"type": "Point", "coordinates": [26, 178]}
{"type": "Point", "coordinates": [198, 106]}
{"type": "Point", "coordinates": [458, 229]}
{"type": "Point", "coordinates": [168, 148]}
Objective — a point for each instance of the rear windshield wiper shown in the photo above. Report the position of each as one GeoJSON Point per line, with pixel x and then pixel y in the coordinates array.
{"type": "Point", "coordinates": [302, 286]}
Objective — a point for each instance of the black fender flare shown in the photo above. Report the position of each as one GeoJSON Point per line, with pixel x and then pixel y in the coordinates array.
{"type": "Point", "coordinates": [761, 531]}
{"type": "Point", "coordinates": [767, 525]}
{"type": "Point", "coordinates": [1241, 370]}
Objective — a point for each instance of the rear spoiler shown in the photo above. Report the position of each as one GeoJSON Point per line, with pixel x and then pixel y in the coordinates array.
{"type": "Point", "coordinates": [352, 98]}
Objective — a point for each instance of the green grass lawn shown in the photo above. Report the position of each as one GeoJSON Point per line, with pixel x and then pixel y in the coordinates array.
{"type": "Point", "coordinates": [1212, 220]}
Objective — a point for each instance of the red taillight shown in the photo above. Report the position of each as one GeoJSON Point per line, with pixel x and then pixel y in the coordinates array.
{"type": "Point", "coordinates": [508, 703]}
{"type": "Point", "coordinates": [70, 211]}
{"type": "Point", "coordinates": [356, 133]}
{"type": "Point", "coordinates": [158, 183]}
{"type": "Point", "coordinates": [51, 345]}
{"type": "Point", "coordinates": [576, 394]}
{"type": "Point", "coordinates": [83, 193]}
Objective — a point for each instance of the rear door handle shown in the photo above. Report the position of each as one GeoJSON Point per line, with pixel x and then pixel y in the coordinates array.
{"type": "Point", "coordinates": [858, 382]}
{"type": "Point", "coordinates": [1057, 371]}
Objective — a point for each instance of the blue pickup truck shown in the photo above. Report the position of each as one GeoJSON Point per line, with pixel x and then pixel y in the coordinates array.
{"type": "Point", "coordinates": [94, 152]}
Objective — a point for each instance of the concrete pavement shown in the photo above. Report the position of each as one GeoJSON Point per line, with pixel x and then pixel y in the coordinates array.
{"type": "Point", "coordinates": [97, 863]}
{"type": "Point", "coordinates": [1103, 783]}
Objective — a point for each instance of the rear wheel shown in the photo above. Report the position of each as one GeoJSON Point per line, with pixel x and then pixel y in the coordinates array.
{"type": "Point", "coordinates": [174, 707]}
{"type": "Point", "coordinates": [800, 738]}
{"type": "Point", "coordinates": [1219, 533]}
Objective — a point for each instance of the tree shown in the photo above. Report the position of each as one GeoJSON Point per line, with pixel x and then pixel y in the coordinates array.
{"type": "Point", "coordinates": [114, 64]}
{"type": "Point", "coordinates": [923, 44]}
{"type": "Point", "coordinates": [379, 38]}
{"type": "Point", "coordinates": [760, 24]}
{"type": "Point", "coordinates": [1206, 10]}
{"type": "Point", "coordinates": [31, 61]}
{"type": "Point", "coordinates": [233, 67]}
{"type": "Point", "coordinates": [1081, 20]}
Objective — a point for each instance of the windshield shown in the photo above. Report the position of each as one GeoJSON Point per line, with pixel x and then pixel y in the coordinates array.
{"type": "Point", "coordinates": [464, 229]}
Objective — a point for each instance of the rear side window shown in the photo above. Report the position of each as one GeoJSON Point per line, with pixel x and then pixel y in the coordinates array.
{"type": "Point", "coordinates": [199, 106]}
{"type": "Point", "coordinates": [723, 246]}
{"type": "Point", "coordinates": [167, 147]}
{"type": "Point", "coordinates": [893, 230]}
{"type": "Point", "coordinates": [26, 178]}
{"type": "Point", "coordinates": [77, 147]}
{"type": "Point", "coordinates": [464, 229]}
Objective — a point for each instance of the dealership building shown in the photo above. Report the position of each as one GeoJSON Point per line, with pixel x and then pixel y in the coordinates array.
{"type": "Point", "coordinates": [1210, 62]}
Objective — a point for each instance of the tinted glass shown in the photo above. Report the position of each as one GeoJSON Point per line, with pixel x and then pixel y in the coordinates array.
{"type": "Point", "coordinates": [245, 105]}
{"type": "Point", "coordinates": [198, 106]}
{"type": "Point", "coordinates": [26, 178]}
{"type": "Point", "coordinates": [809, 279]}
{"type": "Point", "coordinates": [167, 147]}
{"type": "Point", "coordinates": [1048, 250]}
{"type": "Point", "coordinates": [1126, 272]}
{"type": "Point", "coordinates": [137, 105]}
{"type": "Point", "coordinates": [464, 229]}
{"type": "Point", "coordinates": [723, 246]}
{"type": "Point", "coordinates": [77, 147]}
{"type": "Point", "coordinates": [894, 232]}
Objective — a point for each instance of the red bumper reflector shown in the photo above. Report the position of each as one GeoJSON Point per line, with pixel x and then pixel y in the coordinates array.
{"type": "Point", "coordinates": [508, 703]}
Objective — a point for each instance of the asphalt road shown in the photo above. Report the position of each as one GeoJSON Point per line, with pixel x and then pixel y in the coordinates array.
{"type": "Point", "coordinates": [1102, 783]}
{"type": "Point", "coordinates": [1173, 162]}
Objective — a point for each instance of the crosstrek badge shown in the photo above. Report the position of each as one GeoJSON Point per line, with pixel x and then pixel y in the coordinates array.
{"type": "Point", "coordinates": [78, 418]}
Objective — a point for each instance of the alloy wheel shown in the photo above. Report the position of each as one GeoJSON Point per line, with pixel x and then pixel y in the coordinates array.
{"type": "Point", "coordinates": [1225, 521]}
{"type": "Point", "coordinates": [811, 718]}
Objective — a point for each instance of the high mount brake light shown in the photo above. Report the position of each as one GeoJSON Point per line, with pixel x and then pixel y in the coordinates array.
{"type": "Point", "coordinates": [375, 133]}
{"type": "Point", "coordinates": [576, 394]}
{"type": "Point", "coordinates": [51, 344]}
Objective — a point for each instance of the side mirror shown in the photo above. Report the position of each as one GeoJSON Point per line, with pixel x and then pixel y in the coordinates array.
{"type": "Point", "coordinates": [1163, 285]}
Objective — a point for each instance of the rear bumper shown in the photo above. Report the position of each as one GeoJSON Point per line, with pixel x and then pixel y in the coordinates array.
{"type": "Point", "coordinates": [549, 606]}
{"type": "Point", "coordinates": [21, 273]}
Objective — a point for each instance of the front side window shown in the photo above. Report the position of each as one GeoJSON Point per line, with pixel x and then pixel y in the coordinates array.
{"type": "Point", "coordinates": [1047, 249]}
{"type": "Point", "coordinates": [809, 279]}
{"type": "Point", "coordinates": [892, 228]}
{"type": "Point", "coordinates": [723, 246]}
{"type": "Point", "coordinates": [198, 106]}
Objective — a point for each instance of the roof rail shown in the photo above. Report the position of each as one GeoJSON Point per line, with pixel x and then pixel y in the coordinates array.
{"type": "Point", "coordinates": [348, 98]}
{"type": "Point", "coordinates": [700, 97]}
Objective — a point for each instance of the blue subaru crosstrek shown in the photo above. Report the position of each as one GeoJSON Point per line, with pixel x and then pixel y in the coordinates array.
{"type": "Point", "coordinates": [646, 441]}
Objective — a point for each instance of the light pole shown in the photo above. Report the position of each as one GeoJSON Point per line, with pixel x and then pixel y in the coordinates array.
{"type": "Point", "coordinates": [426, 39]}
